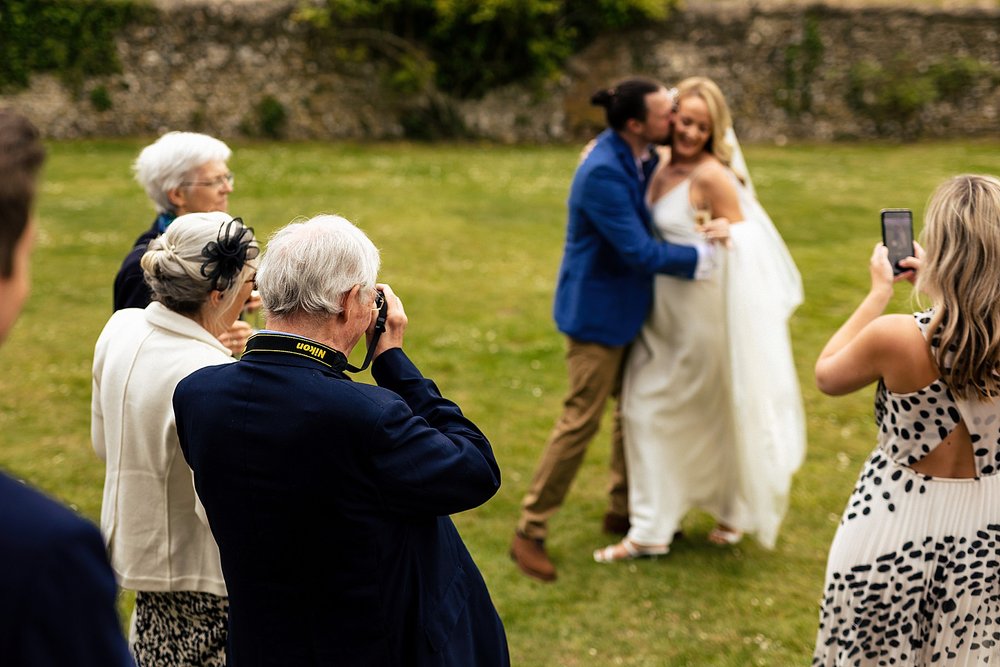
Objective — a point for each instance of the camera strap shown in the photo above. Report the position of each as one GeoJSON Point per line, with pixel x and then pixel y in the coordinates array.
{"type": "Point", "coordinates": [368, 355]}
{"type": "Point", "coordinates": [376, 334]}
{"type": "Point", "coordinates": [303, 347]}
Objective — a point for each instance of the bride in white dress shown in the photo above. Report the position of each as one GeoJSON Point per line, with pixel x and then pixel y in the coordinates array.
{"type": "Point", "coordinates": [711, 410]}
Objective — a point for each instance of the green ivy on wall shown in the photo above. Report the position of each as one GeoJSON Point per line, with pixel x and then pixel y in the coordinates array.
{"type": "Point", "coordinates": [801, 60]}
{"type": "Point", "coordinates": [895, 93]}
{"type": "Point", "coordinates": [71, 38]}
{"type": "Point", "coordinates": [472, 46]}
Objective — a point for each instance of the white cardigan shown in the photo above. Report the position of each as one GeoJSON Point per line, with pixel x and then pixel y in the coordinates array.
{"type": "Point", "coordinates": [155, 538]}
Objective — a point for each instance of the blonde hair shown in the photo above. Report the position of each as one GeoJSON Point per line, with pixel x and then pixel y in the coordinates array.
{"type": "Point", "coordinates": [174, 262]}
{"type": "Point", "coordinates": [959, 272]}
{"type": "Point", "coordinates": [718, 110]}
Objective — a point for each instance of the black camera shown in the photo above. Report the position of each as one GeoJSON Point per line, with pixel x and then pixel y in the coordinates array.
{"type": "Point", "coordinates": [383, 311]}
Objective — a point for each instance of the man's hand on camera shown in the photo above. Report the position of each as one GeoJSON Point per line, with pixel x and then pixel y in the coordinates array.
{"type": "Point", "coordinates": [395, 322]}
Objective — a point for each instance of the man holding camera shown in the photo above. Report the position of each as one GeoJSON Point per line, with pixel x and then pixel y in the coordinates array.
{"type": "Point", "coordinates": [329, 499]}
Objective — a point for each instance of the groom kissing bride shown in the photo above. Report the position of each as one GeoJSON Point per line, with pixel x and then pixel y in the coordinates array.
{"type": "Point", "coordinates": [650, 291]}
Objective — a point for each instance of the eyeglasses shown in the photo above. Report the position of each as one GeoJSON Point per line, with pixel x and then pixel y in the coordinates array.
{"type": "Point", "coordinates": [379, 301]}
{"type": "Point", "coordinates": [226, 179]}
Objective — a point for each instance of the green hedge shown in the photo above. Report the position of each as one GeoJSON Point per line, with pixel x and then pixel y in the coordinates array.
{"type": "Point", "coordinates": [74, 39]}
{"type": "Point", "coordinates": [895, 93]}
{"type": "Point", "coordinates": [473, 46]}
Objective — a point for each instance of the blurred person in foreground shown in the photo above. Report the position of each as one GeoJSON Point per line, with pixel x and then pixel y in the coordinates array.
{"type": "Point", "coordinates": [329, 498]}
{"type": "Point", "coordinates": [604, 294]}
{"type": "Point", "coordinates": [913, 576]}
{"type": "Point", "coordinates": [57, 593]}
{"type": "Point", "coordinates": [182, 172]}
{"type": "Point", "coordinates": [201, 272]}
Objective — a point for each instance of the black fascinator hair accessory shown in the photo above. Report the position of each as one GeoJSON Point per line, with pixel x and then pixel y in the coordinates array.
{"type": "Point", "coordinates": [228, 254]}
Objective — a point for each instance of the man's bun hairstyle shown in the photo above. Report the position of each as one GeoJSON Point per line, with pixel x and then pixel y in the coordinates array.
{"type": "Point", "coordinates": [625, 100]}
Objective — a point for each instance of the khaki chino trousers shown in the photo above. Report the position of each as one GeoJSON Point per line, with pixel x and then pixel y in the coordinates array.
{"type": "Point", "coordinates": [594, 375]}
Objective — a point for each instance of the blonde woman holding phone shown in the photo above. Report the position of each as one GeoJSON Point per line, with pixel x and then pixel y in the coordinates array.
{"type": "Point", "coordinates": [913, 576]}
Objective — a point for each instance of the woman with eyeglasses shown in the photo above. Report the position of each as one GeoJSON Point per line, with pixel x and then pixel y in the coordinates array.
{"type": "Point", "coordinates": [182, 172]}
{"type": "Point", "coordinates": [201, 272]}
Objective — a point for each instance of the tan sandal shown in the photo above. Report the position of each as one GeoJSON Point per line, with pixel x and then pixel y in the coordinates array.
{"type": "Point", "coordinates": [723, 535]}
{"type": "Point", "coordinates": [629, 550]}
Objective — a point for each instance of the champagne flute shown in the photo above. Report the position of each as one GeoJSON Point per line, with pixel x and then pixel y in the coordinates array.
{"type": "Point", "coordinates": [702, 215]}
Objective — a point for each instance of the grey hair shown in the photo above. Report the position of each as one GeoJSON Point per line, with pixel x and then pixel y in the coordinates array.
{"type": "Point", "coordinates": [172, 264]}
{"type": "Point", "coordinates": [309, 265]}
{"type": "Point", "coordinates": [166, 163]}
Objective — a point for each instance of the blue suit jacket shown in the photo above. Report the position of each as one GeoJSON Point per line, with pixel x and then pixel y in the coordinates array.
{"type": "Point", "coordinates": [329, 501]}
{"type": "Point", "coordinates": [605, 285]}
{"type": "Point", "coordinates": [57, 592]}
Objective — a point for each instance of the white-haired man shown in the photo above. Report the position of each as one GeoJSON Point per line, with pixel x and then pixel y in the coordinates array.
{"type": "Point", "coordinates": [329, 499]}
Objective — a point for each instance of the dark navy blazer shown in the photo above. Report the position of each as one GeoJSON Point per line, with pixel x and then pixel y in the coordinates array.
{"type": "Point", "coordinates": [605, 286]}
{"type": "Point", "coordinates": [131, 290]}
{"type": "Point", "coordinates": [330, 500]}
{"type": "Point", "coordinates": [57, 591]}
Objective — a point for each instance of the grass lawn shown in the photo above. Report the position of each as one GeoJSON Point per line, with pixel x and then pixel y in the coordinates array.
{"type": "Point", "coordinates": [471, 237]}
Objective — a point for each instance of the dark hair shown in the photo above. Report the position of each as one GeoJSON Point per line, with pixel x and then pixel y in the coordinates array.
{"type": "Point", "coordinates": [625, 100]}
{"type": "Point", "coordinates": [21, 156]}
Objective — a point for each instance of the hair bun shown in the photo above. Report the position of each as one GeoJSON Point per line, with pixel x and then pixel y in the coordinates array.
{"type": "Point", "coordinates": [603, 97]}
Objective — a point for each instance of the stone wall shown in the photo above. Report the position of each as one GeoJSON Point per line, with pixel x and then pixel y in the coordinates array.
{"type": "Point", "coordinates": [817, 72]}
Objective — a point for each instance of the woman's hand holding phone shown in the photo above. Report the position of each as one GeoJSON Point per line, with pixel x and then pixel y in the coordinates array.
{"type": "Point", "coordinates": [882, 272]}
{"type": "Point", "coordinates": [911, 265]}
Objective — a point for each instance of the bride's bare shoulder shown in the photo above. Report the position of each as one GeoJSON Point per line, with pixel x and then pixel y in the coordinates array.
{"type": "Point", "coordinates": [713, 176]}
{"type": "Point", "coordinates": [710, 170]}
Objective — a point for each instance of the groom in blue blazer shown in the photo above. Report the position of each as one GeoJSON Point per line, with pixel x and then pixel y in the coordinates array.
{"type": "Point", "coordinates": [604, 292]}
{"type": "Point", "coordinates": [329, 499]}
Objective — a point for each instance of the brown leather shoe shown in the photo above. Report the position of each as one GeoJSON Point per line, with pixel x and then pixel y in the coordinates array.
{"type": "Point", "coordinates": [530, 556]}
{"type": "Point", "coordinates": [616, 524]}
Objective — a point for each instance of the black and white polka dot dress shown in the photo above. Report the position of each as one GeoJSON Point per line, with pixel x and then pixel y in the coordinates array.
{"type": "Point", "coordinates": [913, 576]}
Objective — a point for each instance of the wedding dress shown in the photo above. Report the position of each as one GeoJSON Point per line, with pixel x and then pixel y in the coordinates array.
{"type": "Point", "coordinates": [711, 409]}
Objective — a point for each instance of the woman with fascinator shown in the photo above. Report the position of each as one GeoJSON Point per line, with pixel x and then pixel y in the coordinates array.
{"type": "Point", "coordinates": [201, 271]}
{"type": "Point", "coordinates": [711, 412]}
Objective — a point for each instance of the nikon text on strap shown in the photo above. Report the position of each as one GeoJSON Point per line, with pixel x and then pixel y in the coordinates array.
{"type": "Point", "coordinates": [302, 347]}
{"type": "Point", "coordinates": [310, 349]}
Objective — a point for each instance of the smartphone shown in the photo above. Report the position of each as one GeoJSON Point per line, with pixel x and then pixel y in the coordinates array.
{"type": "Point", "coordinates": [897, 235]}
